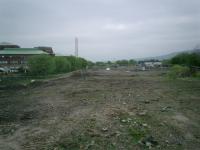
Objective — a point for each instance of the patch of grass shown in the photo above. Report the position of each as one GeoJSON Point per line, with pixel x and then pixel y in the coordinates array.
{"type": "Point", "coordinates": [13, 81]}
{"type": "Point", "coordinates": [83, 140]}
{"type": "Point", "coordinates": [7, 129]}
{"type": "Point", "coordinates": [178, 71]}
{"type": "Point", "coordinates": [197, 75]}
{"type": "Point", "coordinates": [88, 136]}
{"type": "Point", "coordinates": [133, 128]}
{"type": "Point", "coordinates": [14, 106]}
{"type": "Point", "coordinates": [137, 134]}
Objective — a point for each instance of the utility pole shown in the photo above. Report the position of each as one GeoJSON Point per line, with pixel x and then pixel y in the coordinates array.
{"type": "Point", "coordinates": [76, 46]}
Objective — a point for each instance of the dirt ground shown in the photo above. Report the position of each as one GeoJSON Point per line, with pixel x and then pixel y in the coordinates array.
{"type": "Point", "coordinates": [106, 110]}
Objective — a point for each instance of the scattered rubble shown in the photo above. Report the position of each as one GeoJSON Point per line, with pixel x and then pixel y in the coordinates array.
{"type": "Point", "coordinates": [149, 142]}
{"type": "Point", "coordinates": [164, 109]}
{"type": "Point", "coordinates": [126, 120]}
{"type": "Point", "coordinates": [123, 121]}
{"type": "Point", "coordinates": [32, 81]}
{"type": "Point", "coordinates": [147, 102]}
{"type": "Point", "coordinates": [143, 113]}
{"type": "Point", "coordinates": [124, 103]}
{"type": "Point", "coordinates": [105, 129]}
{"type": "Point", "coordinates": [145, 125]}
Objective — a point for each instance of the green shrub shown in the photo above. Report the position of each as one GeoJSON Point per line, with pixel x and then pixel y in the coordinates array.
{"type": "Point", "coordinates": [76, 62]}
{"type": "Point", "coordinates": [41, 65]}
{"type": "Point", "coordinates": [132, 62]}
{"type": "Point", "coordinates": [197, 74]}
{"type": "Point", "coordinates": [62, 65]}
{"type": "Point", "coordinates": [45, 64]}
{"type": "Point", "coordinates": [82, 63]}
{"type": "Point", "coordinates": [90, 64]}
{"type": "Point", "coordinates": [72, 61]}
{"type": "Point", "coordinates": [179, 71]}
{"type": "Point", "coordinates": [166, 62]}
{"type": "Point", "coordinates": [100, 63]}
{"type": "Point", "coordinates": [186, 59]}
{"type": "Point", "coordinates": [122, 62]}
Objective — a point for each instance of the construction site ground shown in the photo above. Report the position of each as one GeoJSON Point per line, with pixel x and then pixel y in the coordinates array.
{"type": "Point", "coordinates": [102, 110]}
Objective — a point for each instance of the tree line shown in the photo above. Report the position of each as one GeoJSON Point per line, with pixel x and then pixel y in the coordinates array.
{"type": "Point", "coordinates": [182, 64]}
{"type": "Point", "coordinates": [186, 59]}
{"type": "Point", "coordinates": [116, 63]}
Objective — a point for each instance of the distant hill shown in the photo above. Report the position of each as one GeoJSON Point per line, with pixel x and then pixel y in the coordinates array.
{"type": "Point", "coordinates": [171, 55]}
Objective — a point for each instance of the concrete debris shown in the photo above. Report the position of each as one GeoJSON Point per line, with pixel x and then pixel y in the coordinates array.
{"type": "Point", "coordinates": [164, 109]}
{"type": "Point", "coordinates": [123, 121]}
{"type": "Point", "coordinates": [32, 81]}
{"type": "Point", "coordinates": [126, 120]}
{"type": "Point", "coordinates": [129, 119]}
{"type": "Point", "coordinates": [90, 145]}
{"type": "Point", "coordinates": [161, 124]}
{"type": "Point", "coordinates": [105, 129]}
{"type": "Point", "coordinates": [118, 133]}
{"type": "Point", "coordinates": [145, 125]}
{"type": "Point", "coordinates": [143, 113]}
{"type": "Point", "coordinates": [166, 141]}
{"type": "Point", "coordinates": [124, 103]}
{"type": "Point", "coordinates": [147, 102]}
{"type": "Point", "coordinates": [149, 142]}
{"type": "Point", "coordinates": [134, 122]}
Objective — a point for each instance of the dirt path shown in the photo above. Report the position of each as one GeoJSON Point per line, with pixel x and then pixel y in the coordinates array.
{"type": "Point", "coordinates": [108, 110]}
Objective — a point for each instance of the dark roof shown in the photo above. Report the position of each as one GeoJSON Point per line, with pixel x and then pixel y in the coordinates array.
{"type": "Point", "coordinates": [46, 49]}
{"type": "Point", "coordinates": [6, 43]}
{"type": "Point", "coordinates": [21, 51]}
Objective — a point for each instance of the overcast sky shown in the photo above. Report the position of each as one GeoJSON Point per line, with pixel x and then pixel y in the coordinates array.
{"type": "Point", "coordinates": [107, 29]}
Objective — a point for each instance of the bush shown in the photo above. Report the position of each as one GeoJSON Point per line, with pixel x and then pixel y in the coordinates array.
{"type": "Point", "coordinates": [179, 71]}
{"type": "Point", "coordinates": [122, 62]}
{"type": "Point", "coordinates": [90, 64]}
{"type": "Point", "coordinates": [72, 61]}
{"type": "Point", "coordinates": [82, 63]}
{"type": "Point", "coordinates": [100, 63]}
{"type": "Point", "coordinates": [41, 65]}
{"type": "Point", "coordinates": [197, 74]}
{"type": "Point", "coordinates": [76, 62]}
{"type": "Point", "coordinates": [186, 59]}
{"type": "Point", "coordinates": [166, 62]}
{"type": "Point", "coordinates": [62, 65]}
{"type": "Point", "coordinates": [132, 62]}
{"type": "Point", "coordinates": [45, 64]}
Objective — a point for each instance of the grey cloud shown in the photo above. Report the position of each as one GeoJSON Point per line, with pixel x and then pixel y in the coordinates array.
{"type": "Point", "coordinates": [107, 29]}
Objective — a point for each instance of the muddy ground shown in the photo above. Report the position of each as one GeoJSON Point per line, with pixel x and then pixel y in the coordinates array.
{"type": "Point", "coordinates": [105, 111]}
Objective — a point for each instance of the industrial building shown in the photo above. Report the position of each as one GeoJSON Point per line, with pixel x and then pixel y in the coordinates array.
{"type": "Point", "coordinates": [12, 55]}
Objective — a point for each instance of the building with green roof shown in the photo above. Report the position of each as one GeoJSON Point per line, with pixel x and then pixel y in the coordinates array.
{"type": "Point", "coordinates": [18, 56]}
{"type": "Point", "coordinates": [22, 51]}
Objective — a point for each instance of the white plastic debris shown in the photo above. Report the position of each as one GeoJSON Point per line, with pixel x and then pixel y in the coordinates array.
{"type": "Point", "coordinates": [32, 81]}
